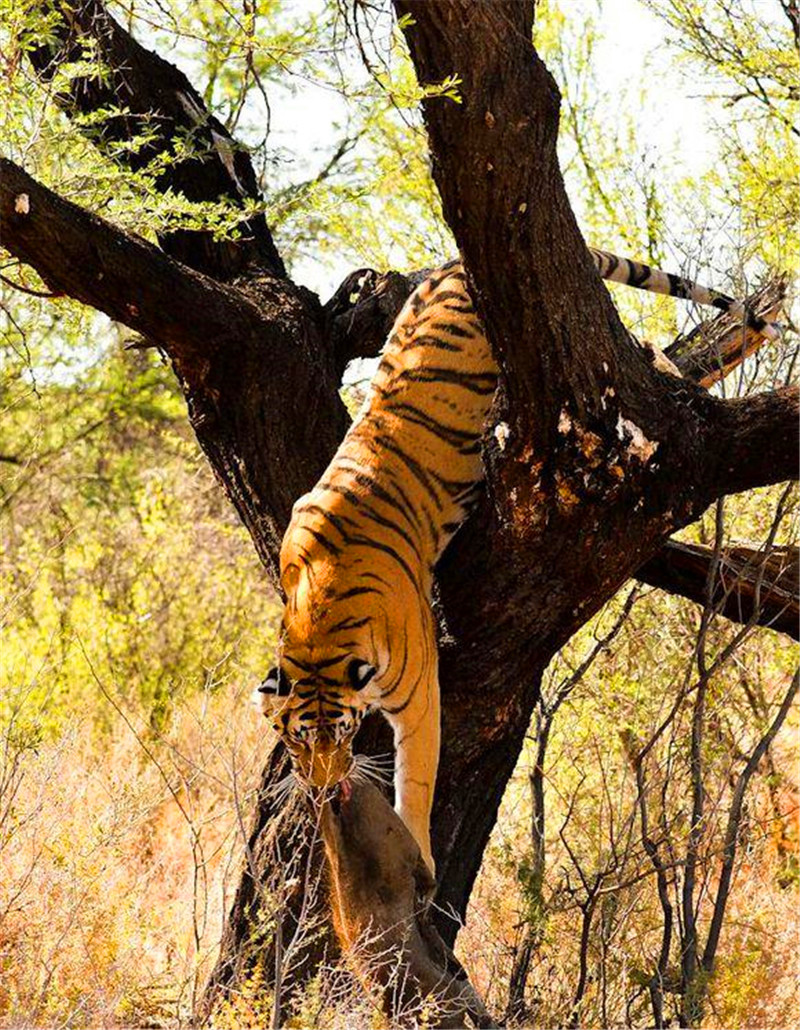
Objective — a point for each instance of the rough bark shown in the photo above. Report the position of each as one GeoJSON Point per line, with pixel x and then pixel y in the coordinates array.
{"type": "Point", "coordinates": [757, 442]}
{"type": "Point", "coordinates": [495, 166]}
{"type": "Point", "coordinates": [132, 281]}
{"type": "Point", "coordinates": [602, 459]}
{"type": "Point", "coordinates": [233, 347]}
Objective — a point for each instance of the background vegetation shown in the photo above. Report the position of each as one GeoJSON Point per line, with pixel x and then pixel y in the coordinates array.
{"type": "Point", "coordinates": [135, 617]}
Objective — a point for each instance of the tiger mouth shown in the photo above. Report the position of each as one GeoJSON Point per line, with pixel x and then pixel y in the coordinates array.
{"type": "Point", "coordinates": [342, 792]}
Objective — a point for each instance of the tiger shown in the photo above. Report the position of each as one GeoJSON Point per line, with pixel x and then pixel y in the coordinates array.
{"type": "Point", "coordinates": [357, 560]}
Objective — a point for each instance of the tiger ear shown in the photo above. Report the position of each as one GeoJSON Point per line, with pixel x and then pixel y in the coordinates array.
{"type": "Point", "coordinates": [274, 686]}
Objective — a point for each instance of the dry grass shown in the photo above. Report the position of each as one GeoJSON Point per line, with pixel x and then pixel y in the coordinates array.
{"type": "Point", "coordinates": [119, 855]}
{"type": "Point", "coordinates": [117, 861]}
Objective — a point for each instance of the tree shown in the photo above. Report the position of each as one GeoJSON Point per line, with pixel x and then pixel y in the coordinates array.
{"type": "Point", "coordinates": [599, 457]}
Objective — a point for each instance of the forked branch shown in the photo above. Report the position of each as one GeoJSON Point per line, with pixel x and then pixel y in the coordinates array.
{"type": "Point", "coordinates": [152, 104]}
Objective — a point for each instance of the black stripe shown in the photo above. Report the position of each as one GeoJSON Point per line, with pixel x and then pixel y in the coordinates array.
{"type": "Point", "coordinates": [466, 309]}
{"type": "Point", "coordinates": [376, 577]}
{"type": "Point", "coordinates": [430, 343]}
{"type": "Point", "coordinates": [323, 541]}
{"type": "Point", "coordinates": [294, 661]}
{"type": "Point", "coordinates": [420, 417]}
{"type": "Point", "coordinates": [482, 383]}
{"type": "Point", "coordinates": [678, 286]}
{"type": "Point", "coordinates": [419, 473]}
{"type": "Point", "coordinates": [406, 505]}
{"type": "Point", "coordinates": [367, 479]}
{"type": "Point", "coordinates": [356, 592]}
{"type": "Point", "coordinates": [387, 365]}
{"type": "Point", "coordinates": [351, 622]}
{"type": "Point", "coordinates": [436, 281]}
{"type": "Point", "coordinates": [401, 707]}
{"type": "Point", "coordinates": [314, 667]}
{"type": "Point", "coordinates": [451, 295]}
{"type": "Point", "coordinates": [638, 274]}
{"type": "Point", "coordinates": [326, 663]}
{"type": "Point", "coordinates": [454, 328]}
{"type": "Point", "coordinates": [361, 503]}
{"type": "Point", "coordinates": [755, 321]}
{"type": "Point", "coordinates": [387, 549]}
{"type": "Point", "coordinates": [455, 487]}
{"type": "Point", "coordinates": [399, 678]}
{"type": "Point", "coordinates": [335, 520]}
{"type": "Point", "coordinates": [389, 524]}
{"type": "Point", "coordinates": [436, 311]}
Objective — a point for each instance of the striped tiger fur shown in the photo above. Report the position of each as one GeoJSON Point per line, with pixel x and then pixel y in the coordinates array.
{"type": "Point", "coordinates": [358, 557]}
{"type": "Point", "coordinates": [643, 277]}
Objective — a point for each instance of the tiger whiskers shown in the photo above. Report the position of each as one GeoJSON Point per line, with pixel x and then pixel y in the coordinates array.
{"type": "Point", "coordinates": [278, 794]}
{"type": "Point", "coordinates": [375, 768]}
{"type": "Point", "coordinates": [385, 759]}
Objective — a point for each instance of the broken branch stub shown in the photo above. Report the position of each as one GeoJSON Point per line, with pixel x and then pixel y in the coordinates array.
{"type": "Point", "coordinates": [381, 892]}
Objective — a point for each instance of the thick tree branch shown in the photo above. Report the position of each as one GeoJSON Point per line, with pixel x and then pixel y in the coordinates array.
{"type": "Point", "coordinates": [744, 572]}
{"type": "Point", "coordinates": [755, 441]}
{"type": "Point", "coordinates": [131, 280]}
{"type": "Point", "coordinates": [360, 313]}
{"type": "Point", "coordinates": [713, 349]}
{"type": "Point", "coordinates": [158, 104]}
{"type": "Point", "coordinates": [495, 165]}
{"type": "Point", "coordinates": [233, 348]}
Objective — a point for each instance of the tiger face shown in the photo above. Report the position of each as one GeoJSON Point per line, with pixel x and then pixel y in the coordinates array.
{"type": "Point", "coordinates": [316, 708]}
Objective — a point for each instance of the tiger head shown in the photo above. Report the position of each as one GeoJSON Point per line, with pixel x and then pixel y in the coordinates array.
{"type": "Point", "coordinates": [331, 660]}
{"type": "Point", "coordinates": [316, 708]}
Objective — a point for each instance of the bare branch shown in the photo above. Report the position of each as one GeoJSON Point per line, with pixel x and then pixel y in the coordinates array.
{"type": "Point", "coordinates": [718, 345]}
{"type": "Point", "coordinates": [734, 820]}
{"type": "Point", "coordinates": [682, 568]}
